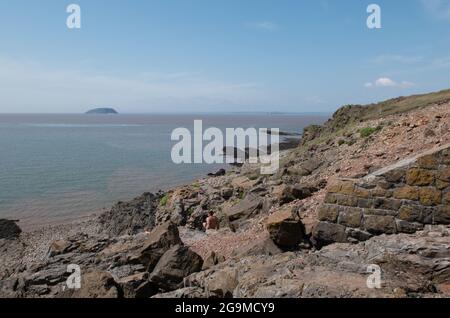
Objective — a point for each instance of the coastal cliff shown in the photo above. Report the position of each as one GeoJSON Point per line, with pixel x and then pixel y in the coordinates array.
{"type": "Point", "coordinates": [369, 187]}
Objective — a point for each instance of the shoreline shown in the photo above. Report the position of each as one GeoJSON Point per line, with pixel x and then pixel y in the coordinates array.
{"type": "Point", "coordinates": [290, 141]}
{"type": "Point", "coordinates": [35, 241]}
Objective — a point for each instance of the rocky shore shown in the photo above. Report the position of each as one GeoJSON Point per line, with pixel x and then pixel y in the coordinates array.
{"type": "Point", "coordinates": [368, 189]}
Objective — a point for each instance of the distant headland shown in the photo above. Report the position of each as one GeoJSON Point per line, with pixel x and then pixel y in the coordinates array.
{"type": "Point", "coordinates": [102, 111]}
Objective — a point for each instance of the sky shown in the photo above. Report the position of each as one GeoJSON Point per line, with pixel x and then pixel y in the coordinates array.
{"type": "Point", "coordinates": [183, 56]}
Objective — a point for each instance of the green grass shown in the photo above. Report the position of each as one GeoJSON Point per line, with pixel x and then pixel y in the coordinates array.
{"type": "Point", "coordinates": [351, 142]}
{"type": "Point", "coordinates": [196, 185]}
{"type": "Point", "coordinates": [368, 131]}
{"type": "Point", "coordinates": [351, 115]}
{"type": "Point", "coordinates": [164, 199]}
{"type": "Point", "coordinates": [345, 120]}
{"type": "Point", "coordinates": [404, 104]}
{"type": "Point", "coordinates": [190, 210]}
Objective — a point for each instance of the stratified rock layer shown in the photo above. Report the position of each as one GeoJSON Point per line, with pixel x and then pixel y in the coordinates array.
{"type": "Point", "coordinates": [402, 198]}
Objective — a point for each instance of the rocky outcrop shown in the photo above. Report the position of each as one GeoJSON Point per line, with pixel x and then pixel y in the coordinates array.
{"type": "Point", "coordinates": [220, 172]}
{"type": "Point", "coordinates": [325, 233]}
{"type": "Point", "coordinates": [285, 194]}
{"type": "Point", "coordinates": [9, 229]}
{"type": "Point", "coordinates": [212, 259]}
{"type": "Point", "coordinates": [249, 206]}
{"type": "Point", "coordinates": [402, 198]}
{"type": "Point", "coordinates": [352, 114]}
{"type": "Point", "coordinates": [285, 228]}
{"type": "Point", "coordinates": [262, 246]}
{"type": "Point", "coordinates": [12, 253]}
{"type": "Point", "coordinates": [96, 284]}
{"type": "Point", "coordinates": [159, 241]}
{"type": "Point", "coordinates": [128, 218]}
{"type": "Point", "coordinates": [137, 286]}
{"type": "Point", "coordinates": [128, 266]}
{"type": "Point", "coordinates": [177, 263]}
{"type": "Point", "coordinates": [411, 265]}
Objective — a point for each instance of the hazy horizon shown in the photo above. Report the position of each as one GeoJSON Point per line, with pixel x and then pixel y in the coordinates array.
{"type": "Point", "coordinates": [178, 113]}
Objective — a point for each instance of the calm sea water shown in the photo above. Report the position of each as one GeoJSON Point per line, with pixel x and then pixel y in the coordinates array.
{"type": "Point", "coordinates": [54, 168]}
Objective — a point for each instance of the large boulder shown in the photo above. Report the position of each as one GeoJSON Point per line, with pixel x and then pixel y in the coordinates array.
{"type": "Point", "coordinates": [97, 284]}
{"type": "Point", "coordinates": [219, 173]}
{"type": "Point", "coordinates": [222, 284]}
{"type": "Point", "coordinates": [60, 247]}
{"type": "Point", "coordinates": [127, 218]}
{"type": "Point", "coordinates": [160, 240]}
{"type": "Point", "coordinates": [326, 233]}
{"type": "Point", "coordinates": [285, 194]}
{"type": "Point", "coordinates": [48, 277]}
{"type": "Point", "coordinates": [243, 183]}
{"type": "Point", "coordinates": [285, 228]}
{"type": "Point", "coordinates": [9, 229]}
{"type": "Point", "coordinates": [12, 253]}
{"type": "Point", "coordinates": [302, 192]}
{"type": "Point", "coordinates": [249, 206]}
{"type": "Point", "coordinates": [176, 264]}
{"type": "Point", "coordinates": [218, 282]}
{"type": "Point", "coordinates": [304, 169]}
{"type": "Point", "coordinates": [137, 286]}
{"type": "Point", "coordinates": [226, 193]}
{"type": "Point", "coordinates": [212, 259]}
{"type": "Point", "coordinates": [261, 246]}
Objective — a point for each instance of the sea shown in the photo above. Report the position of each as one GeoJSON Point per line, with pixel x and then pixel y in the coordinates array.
{"type": "Point", "coordinates": [58, 168]}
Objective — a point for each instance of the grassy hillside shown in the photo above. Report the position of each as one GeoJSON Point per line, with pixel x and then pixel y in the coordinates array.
{"type": "Point", "coordinates": [404, 104]}
{"type": "Point", "coordinates": [351, 114]}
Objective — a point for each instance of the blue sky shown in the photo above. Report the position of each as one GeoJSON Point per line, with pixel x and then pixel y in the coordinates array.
{"type": "Point", "coordinates": [218, 55]}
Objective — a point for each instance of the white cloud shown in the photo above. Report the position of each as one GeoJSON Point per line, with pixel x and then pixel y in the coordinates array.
{"type": "Point", "coordinates": [387, 82]}
{"type": "Point", "coordinates": [265, 25]}
{"type": "Point", "coordinates": [30, 87]}
{"type": "Point", "coordinates": [438, 8]}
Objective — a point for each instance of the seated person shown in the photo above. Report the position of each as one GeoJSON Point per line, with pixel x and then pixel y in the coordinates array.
{"type": "Point", "coordinates": [212, 222]}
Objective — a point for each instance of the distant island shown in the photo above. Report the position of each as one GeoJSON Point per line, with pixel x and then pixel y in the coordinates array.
{"type": "Point", "coordinates": [102, 111]}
